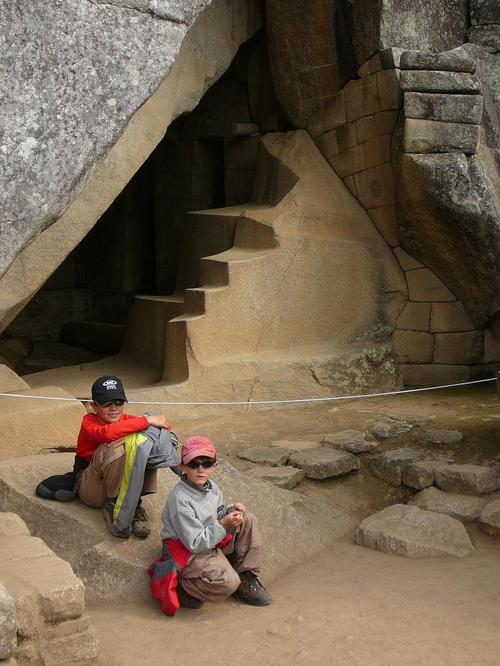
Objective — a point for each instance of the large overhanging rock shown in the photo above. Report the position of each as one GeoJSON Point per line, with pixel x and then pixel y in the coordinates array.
{"type": "Point", "coordinates": [90, 91]}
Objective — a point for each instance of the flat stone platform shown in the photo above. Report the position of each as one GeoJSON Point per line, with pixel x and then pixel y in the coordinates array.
{"type": "Point", "coordinates": [293, 527]}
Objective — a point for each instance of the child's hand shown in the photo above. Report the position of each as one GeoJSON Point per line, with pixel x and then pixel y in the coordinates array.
{"type": "Point", "coordinates": [233, 519]}
{"type": "Point", "coordinates": [159, 421]}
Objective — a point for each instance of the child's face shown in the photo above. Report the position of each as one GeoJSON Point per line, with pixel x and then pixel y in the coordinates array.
{"type": "Point", "coordinates": [111, 412]}
{"type": "Point", "coordinates": [199, 475]}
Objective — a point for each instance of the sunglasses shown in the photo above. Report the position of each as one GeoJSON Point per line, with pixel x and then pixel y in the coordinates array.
{"type": "Point", "coordinates": [115, 403]}
{"type": "Point", "coordinates": [206, 464]}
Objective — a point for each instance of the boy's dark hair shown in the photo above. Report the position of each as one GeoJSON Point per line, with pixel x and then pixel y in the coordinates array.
{"type": "Point", "coordinates": [108, 388]}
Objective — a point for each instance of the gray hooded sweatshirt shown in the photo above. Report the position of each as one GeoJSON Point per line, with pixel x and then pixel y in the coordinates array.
{"type": "Point", "coordinates": [192, 515]}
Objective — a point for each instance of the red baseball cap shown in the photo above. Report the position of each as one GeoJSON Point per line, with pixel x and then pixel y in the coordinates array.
{"type": "Point", "coordinates": [197, 446]}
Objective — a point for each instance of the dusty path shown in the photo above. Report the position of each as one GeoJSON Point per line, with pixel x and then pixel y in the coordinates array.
{"type": "Point", "coordinates": [352, 605]}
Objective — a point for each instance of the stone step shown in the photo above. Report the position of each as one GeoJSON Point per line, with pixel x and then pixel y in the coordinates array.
{"type": "Point", "coordinates": [49, 601]}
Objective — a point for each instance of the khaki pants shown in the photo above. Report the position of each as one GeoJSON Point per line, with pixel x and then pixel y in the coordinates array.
{"type": "Point", "coordinates": [102, 478]}
{"type": "Point", "coordinates": [212, 576]}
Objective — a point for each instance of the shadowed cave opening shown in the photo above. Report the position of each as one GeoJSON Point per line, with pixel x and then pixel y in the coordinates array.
{"type": "Point", "coordinates": [206, 160]}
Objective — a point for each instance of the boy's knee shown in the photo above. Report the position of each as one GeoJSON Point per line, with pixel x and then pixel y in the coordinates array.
{"type": "Point", "coordinates": [232, 583]}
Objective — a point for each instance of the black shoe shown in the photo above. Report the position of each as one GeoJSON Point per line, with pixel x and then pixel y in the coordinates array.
{"type": "Point", "coordinates": [140, 525]}
{"type": "Point", "coordinates": [107, 511]}
{"type": "Point", "coordinates": [186, 600]}
{"type": "Point", "coordinates": [251, 590]}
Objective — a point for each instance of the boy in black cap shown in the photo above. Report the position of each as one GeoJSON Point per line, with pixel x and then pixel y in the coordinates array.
{"type": "Point", "coordinates": [101, 451]}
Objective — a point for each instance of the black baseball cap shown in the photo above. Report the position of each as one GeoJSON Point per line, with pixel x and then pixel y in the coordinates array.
{"type": "Point", "coordinates": [108, 388]}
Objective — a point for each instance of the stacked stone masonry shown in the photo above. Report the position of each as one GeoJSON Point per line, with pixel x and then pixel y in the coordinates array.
{"type": "Point", "coordinates": [42, 602]}
{"type": "Point", "coordinates": [439, 104]}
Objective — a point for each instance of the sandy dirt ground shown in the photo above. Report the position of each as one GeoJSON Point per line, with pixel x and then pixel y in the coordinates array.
{"type": "Point", "coordinates": [349, 605]}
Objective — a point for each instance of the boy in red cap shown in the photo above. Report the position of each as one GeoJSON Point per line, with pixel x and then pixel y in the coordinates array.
{"type": "Point", "coordinates": [100, 452]}
{"type": "Point", "coordinates": [221, 544]}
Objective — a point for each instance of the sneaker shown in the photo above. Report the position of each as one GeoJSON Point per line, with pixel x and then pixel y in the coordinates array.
{"type": "Point", "coordinates": [251, 590]}
{"type": "Point", "coordinates": [140, 525]}
{"type": "Point", "coordinates": [186, 600]}
{"type": "Point", "coordinates": [107, 511]}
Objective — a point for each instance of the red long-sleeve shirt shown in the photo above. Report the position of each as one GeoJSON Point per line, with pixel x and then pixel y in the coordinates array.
{"type": "Point", "coordinates": [93, 432]}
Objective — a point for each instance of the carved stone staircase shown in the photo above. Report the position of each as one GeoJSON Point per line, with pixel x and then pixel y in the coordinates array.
{"type": "Point", "coordinates": [293, 293]}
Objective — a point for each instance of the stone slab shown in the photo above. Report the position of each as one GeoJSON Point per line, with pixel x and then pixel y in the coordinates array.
{"type": "Point", "coordinates": [412, 532]}
{"type": "Point", "coordinates": [447, 108]}
{"type": "Point", "coordinates": [391, 465]}
{"type": "Point", "coordinates": [12, 525]}
{"type": "Point", "coordinates": [293, 529]}
{"type": "Point", "coordinates": [414, 317]}
{"type": "Point", "coordinates": [413, 346]}
{"type": "Point", "coordinates": [490, 518]}
{"type": "Point", "coordinates": [459, 348]}
{"type": "Point", "coordinates": [405, 260]}
{"type": "Point", "coordinates": [61, 593]}
{"type": "Point", "coordinates": [284, 477]}
{"type": "Point", "coordinates": [265, 455]}
{"type": "Point", "coordinates": [449, 317]}
{"type": "Point", "coordinates": [442, 436]}
{"type": "Point", "coordinates": [375, 186]}
{"type": "Point", "coordinates": [467, 479]}
{"type": "Point", "coordinates": [389, 89]}
{"type": "Point", "coordinates": [433, 374]}
{"type": "Point", "coordinates": [420, 474]}
{"type": "Point", "coordinates": [80, 647]}
{"type": "Point", "coordinates": [424, 285]}
{"type": "Point", "coordinates": [462, 507]}
{"type": "Point", "coordinates": [385, 220]}
{"type": "Point", "coordinates": [361, 97]}
{"type": "Point", "coordinates": [439, 82]}
{"type": "Point", "coordinates": [388, 427]}
{"type": "Point", "coordinates": [451, 61]}
{"type": "Point", "coordinates": [324, 463]}
{"type": "Point", "coordinates": [432, 136]}
{"type": "Point", "coordinates": [377, 150]}
{"type": "Point", "coordinates": [352, 441]}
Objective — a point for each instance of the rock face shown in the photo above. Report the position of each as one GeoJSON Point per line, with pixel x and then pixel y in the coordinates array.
{"type": "Point", "coordinates": [468, 479]}
{"type": "Point", "coordinates": [412, 532]}
{"type": "Point", "coordinates": [462, 507]}
{"type": "Point", "coordinates": [52, 152]}
{"type": "Point", "coordinates": [324, 463]}
{"type": "Point", "coordinates": [352, 441]}
{"type": "Point", "coordinates": [391, 465]}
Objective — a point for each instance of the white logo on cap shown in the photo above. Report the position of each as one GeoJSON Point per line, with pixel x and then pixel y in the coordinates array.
{"type": "Point", "coordinates": [110, 384]}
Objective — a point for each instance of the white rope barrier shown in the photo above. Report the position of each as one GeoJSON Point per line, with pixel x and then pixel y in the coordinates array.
{"type": "Point", "coordinates": [260, 402]}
